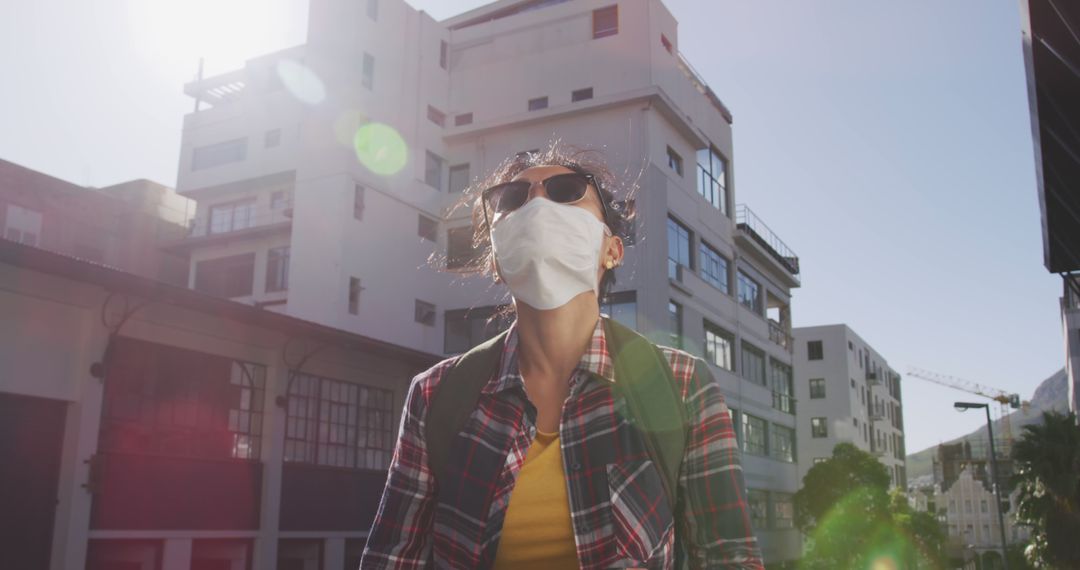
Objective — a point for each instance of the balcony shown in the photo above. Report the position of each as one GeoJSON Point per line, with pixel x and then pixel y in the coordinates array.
{"type": "Point", "coordinates": [755, 230]}
{"type": "Point", "coordinates": [204, 230]}
{"type": "Point", "coordinates": [779, 335]}
{"type": "Point", "coordinates": [877, 413]}
{"type": "Point", "coordinates": [873, 378]}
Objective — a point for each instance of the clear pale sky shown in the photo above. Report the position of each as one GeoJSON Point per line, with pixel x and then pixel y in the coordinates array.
{"type": "Point", "coordinates": [887, 143]}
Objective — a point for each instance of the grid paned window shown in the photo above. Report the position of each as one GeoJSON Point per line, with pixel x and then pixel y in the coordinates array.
{"type": "Point", "coordinates": [233, 216]}
{"type": "Point", "coordinates": [749, 293]}
{"type": "Point", "coordinates": [164, 400]}
{"type": "Point", "coordinates": [753, 364]}
{"type": "Point", "coordinates": [277, 269]}
{"type": "Point", "coordinates": [711, 178]}
{"type": "Point", "coordinates": [755, 435]}
{"type": "Point", "coordinates": [783, 510]}
{"type": "Point", "coordinates": [714, 267]}
{"type": "Point", "coordinates": [819, 427]}
{"type": "Point", "coordinates": [719, 346]}
{"type": "Point", "coordinates": [337, 423]}
{"type": "Point", "coordinates": [783, 391]}
{"type": "Point", "coordinates": [678, 238]}
{"type": "Point", "coordinates": [817, 388]}
{"type": "Point", "coordinates": [783, 443]}
{"type": "Point", "coordinates": [814, 350]}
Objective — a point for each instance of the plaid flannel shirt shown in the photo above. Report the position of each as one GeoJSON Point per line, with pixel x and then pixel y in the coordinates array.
{"type": "Point", "coordinates": [619, 512]}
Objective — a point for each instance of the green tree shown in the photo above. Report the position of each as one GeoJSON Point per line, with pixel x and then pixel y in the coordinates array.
{"type": "Point", "coordinates": [1047, 463]}
{"type": "Point", "coordinates": [852, 521]}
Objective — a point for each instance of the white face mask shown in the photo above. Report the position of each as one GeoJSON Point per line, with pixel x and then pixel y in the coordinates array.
{"type": "Point", "coordinates": [548, 253]}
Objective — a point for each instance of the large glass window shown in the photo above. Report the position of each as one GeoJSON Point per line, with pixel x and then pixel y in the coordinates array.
{"type": "Point", "coordinates": [712, 184]}
{"type": "Point", "coordinates": [749, 292]}
{"type": "Point", "coordinates": [783, 391]}
{"type": "Point", "coordinates": [758, 501]}
{"type": "Point", "coordinates": [678, 238]}
{"type": "Point", "coordinates": [819, 427]}
{"type": "Point", "coordinates": [622, 306]}
{"type": "Point", "coordinates": [232, 216]}
{"type": "Point", "coordinates": [714, 268]}
{"type": "Point", "coordinates": [755, 435]}
{"type": "Point", "coordinates": [783, 443]}
{"type": "Point", "coordinates": [277, 269]}
{"type": "Point", "coordinates": [228, 277]}
{"type": "Point", "coordinates": [217, 154]}
{"type": "Point", "coordinates": [337, 423]}
{"type": "Point", "coordinates": [753, 363]}
{"type": "Point", "coordinates": [814, 350]}
{"type": "Point", "coordinates": [163, 400]}
{"type": "Point", "coordinates": [719, 346]}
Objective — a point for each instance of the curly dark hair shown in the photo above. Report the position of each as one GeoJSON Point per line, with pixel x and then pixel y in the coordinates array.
{"type": "Point", "coordinates": [619, 217]}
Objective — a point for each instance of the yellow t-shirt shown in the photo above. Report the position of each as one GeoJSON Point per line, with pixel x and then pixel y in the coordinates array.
{"type": "Point", "coordinates": [536, 533]}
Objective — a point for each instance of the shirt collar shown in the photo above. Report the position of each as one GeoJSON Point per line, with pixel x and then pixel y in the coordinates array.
{"type": "Point", "coordinates": [596, 361]}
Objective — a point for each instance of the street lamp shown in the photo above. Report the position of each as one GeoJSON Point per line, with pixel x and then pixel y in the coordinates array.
{"type": "Point", "coordinates": [963, 407]}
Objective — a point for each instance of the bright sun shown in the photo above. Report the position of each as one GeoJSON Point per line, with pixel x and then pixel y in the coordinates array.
{"type": "Point", "coordinates": [176, 33]}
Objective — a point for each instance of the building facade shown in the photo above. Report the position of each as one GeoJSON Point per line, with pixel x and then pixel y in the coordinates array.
{"type": "Point", "coordinates": [157, 428]}
{"type": "Point", "coordinates": [848, 393]}
{"type": "Point", "coordinates": [324, 173]}
{"type": "Point", "coordinates": [969, 510]}
{"type": "Point", "coordinates": [124, 226]}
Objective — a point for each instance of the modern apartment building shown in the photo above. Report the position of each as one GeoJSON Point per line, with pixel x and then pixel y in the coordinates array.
{"type": "Point", "coordinates": [323, 173]}
{"type": "Point", "coordinates": [847, 393]}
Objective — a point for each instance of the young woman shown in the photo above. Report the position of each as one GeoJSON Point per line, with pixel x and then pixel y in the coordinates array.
{"type": "Point", "coordinates": [548, 471]}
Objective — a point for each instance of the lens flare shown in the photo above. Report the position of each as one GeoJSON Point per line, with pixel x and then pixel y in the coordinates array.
{"type": "Point", "coordinates": [301, 81]}
{"type": "Point", "coordinates": [380, 148]}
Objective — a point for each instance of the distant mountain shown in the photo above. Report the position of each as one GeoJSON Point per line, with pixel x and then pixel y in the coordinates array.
{"type": "Point", "coordinates": [1052, 394]}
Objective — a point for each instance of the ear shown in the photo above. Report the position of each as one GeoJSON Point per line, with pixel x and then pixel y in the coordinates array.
{"type": "Point", "coordinates": [614, 250]}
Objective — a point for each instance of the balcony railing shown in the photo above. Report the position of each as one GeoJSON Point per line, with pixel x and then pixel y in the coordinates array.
{"type": "Point", "coordinates": [219, 88]}
{"type": "Point", "coordinates": [702, 87]}
{"type": "Point", "coordinates": [747, 221]}
{"type": "Point", "coordinates": [873, 378]}
{"type": "Point", "coordinates": [205, 226]}
{"type": "Point", "coordinates": [877, 413]}
{"type": "Point", "coordinates": [779, 335]}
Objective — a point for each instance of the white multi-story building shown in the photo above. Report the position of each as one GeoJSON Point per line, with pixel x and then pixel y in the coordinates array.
{"type": "Point", "coordinates": [970, 512]}
{"type": "Point", "coordinates": [323, 173]}
{"type": "Point", "coordinates": [847, 393]}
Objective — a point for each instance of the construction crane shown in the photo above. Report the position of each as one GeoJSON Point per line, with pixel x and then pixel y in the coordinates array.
{"type": "Point", "coordinates": [1003, 398]}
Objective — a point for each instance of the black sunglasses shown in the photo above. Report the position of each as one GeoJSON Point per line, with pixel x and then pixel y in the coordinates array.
{"type": "Point", "coordinates": [565, 188]}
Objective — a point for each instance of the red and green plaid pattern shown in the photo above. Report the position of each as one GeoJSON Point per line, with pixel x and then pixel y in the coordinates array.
{"type": "Point", "coordinates": [619, 512]}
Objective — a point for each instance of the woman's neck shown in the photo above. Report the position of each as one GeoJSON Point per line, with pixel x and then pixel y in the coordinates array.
{"type": "Point", "coordinates": [552, 342]}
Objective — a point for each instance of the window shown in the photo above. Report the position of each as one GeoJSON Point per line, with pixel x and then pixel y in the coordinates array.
{"type": "Point", "coordinates": [983, 506]}
{"type": "Point", "coordinates": [753, 363]}
{"type": "Point", "coordinates": [436, 116]}
{"type": "Point", "coordinates": [580, 94]}
{"type": "Point", "coordinates": [719, 346]}
{"type": "Point", "coordinates": [783, 510]}
{"type": "Point", "coordinates": [817, 390]}
{"type": "Point", "coordinates": [373, 9]}
{"type": "Point", "coordinates": [667, 44]}
{"type": "Point", "coordinates": [711, 178]}
{"type": "Point", "coordinates": [459, 247]}
{"type": "Point", "coordinates": [277, 269]}
{"type": "Point", "coordinates": [674, 161]}
{"type": "Point", "coordinates": [367, 77]}
{"type": "Point", "coordinates": [354, 295]}
{"type": "Point", "coordinates": [967, 505]}
{"type": "Point", "coordinates": [280, 200]}
{"type": "Point", "coordinates": [749, 292]}
{"type": "Point", "coordinates": [538, 103]}
{"type": "Point", "coordinates": [714, 268]}
{"type": "Point", "coordinates": [22, 224]}
{"type": "Point", "coordinates": [622, 306]}
{"type": "Point", "coordinates": [462, 119]}
{"type": "Point", "coordinates": [425, 313]}
{"type": "Point", "coordinates": [675, 323]}
{"type": "Point", "coordinates": [819, 427]}
{"type": "Point", "coordinates": [232, 216]}
{"type": "Point", "coordinates": [605, 22]}
{"type": "Point", "coordinates": [358, 201]}
{"type": "Point", "coordinates": [754, 435]}
{"type": "Point", "coordinates": [459, 177]}
{"type": "Point", "coordinates": [427, 228]}
{"type": "Point", "coordinates": [337, 423]}
{"type": "Point", "coordinates": [444, 52]}
{"type": "Point", "coordinates": [850, 346]}
{"type": "Point", "coordinates": [678, 237]}
{"type": "Point", "coordinates": [227, 277]}
{"type": "Point", "coordinates": [466, 328]}
{"type": "Point", "coordinates": [782, 388]}
{"type": "Point", "coordinates": [272, 138]}
{"type": "Point", "coordinates": [783, 443]}
{"type": "Point", "coordinates": [163, 400]}
{"type": "Point", "coordinates": [814, 350]}
{"type": "Point", "coordinates": [209, 156]}
{"type": "Point", "coordinates": [852, 383]}
{"type": "Point", "coordinates": [433, 167]}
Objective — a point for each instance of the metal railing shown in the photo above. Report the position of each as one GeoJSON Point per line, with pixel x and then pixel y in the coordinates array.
{"type": "Point", "coordinates": [779, 335]}
{"type": "Point", "coordinates": [746, 220]}
{"type": "Point", "coordinates": [202, 226]}
{"type": "Point", "coordinates": [877, 413]}
{"type": "Point", "coordinates": [699, 83]}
